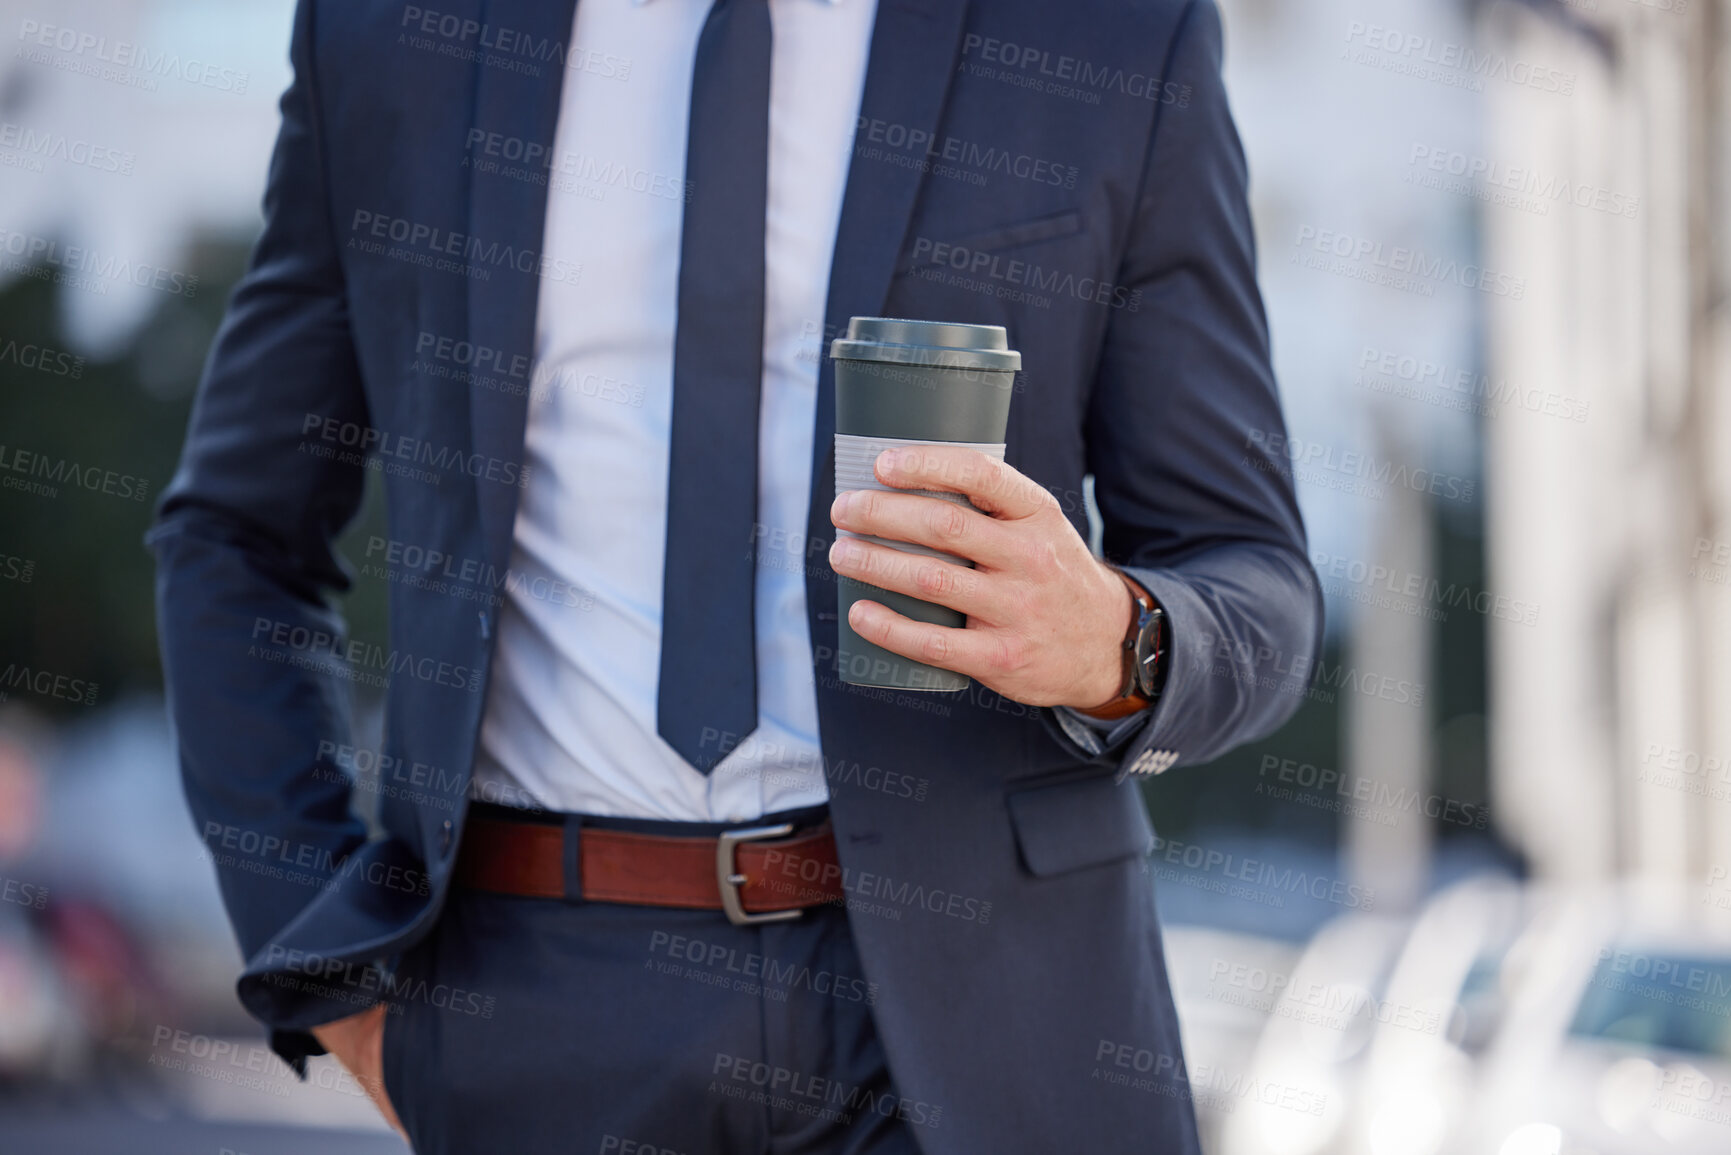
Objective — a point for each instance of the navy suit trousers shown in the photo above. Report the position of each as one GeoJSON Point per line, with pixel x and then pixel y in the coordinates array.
{"type": "Point", "coordinates": [545, 1025]}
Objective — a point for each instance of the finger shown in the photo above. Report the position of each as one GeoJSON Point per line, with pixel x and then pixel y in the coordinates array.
{"type": "Point", "coordinates": [375, 1082]}
{"type": "Point", "coordinates": [997, 488]}
{"type": "Point", "coordinates": [928, 521]}
{"type": "Point", "coordinates": [930, 579]}
{"type": "Point", "coordinates": [973, 652]}
{"type": "Point", "coordinates": [374, 1086]}
{"type": "Point", "coordinates": [382, 1100]}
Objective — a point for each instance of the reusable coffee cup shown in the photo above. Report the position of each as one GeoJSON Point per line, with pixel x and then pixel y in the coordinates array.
{"type": "Point", "coordinates": [900, 383]}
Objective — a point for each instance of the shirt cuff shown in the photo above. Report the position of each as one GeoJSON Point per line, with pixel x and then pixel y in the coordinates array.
{"type": "Point", "coordinates": [1098, 736]}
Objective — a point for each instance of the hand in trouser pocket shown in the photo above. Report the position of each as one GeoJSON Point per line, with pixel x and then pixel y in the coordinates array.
{"type": "Point", "coordinates": [357, 1042]}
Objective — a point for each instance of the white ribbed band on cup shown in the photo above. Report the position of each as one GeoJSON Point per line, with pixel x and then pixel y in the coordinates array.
{"type": "Point", "coordinates": [854, 458]}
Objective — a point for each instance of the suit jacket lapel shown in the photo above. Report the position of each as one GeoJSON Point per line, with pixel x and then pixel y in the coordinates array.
{"type": "Point", "coordinates": [511, 214]}
{"type": "Point", "coordinates": [914, 54]}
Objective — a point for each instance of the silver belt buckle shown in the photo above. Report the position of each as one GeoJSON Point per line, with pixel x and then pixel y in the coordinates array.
{"type": "Point", "coordinates": [729, 879]}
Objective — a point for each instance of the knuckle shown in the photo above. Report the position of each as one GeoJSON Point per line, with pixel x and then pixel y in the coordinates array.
{"type": "Point", "coordinates": [948, 522]}
{"type": "Point", "coordinates": [1010, 655]}
{"type": "Point", "coordinates": [933, 578]}
{"type": "Point", "coordinates": [935, 648]}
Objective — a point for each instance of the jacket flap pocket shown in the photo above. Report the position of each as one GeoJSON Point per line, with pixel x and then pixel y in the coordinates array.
{"type": "Point", "coordinates": [1071, 825]}
{"type": "Point", "coordinates": [1047, 228]}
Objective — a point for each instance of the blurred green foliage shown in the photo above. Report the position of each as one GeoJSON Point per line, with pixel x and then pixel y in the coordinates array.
{"type": "Point", "coordinates": [1224, 793]}
{"type": "Point", "coordinates": [87, 610]}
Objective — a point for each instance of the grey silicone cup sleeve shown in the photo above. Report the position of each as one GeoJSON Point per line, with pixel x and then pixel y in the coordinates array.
{"type": "Point", "coordinates": [854, 458]}
{"type": "Point", "coordinates": [862, 662]}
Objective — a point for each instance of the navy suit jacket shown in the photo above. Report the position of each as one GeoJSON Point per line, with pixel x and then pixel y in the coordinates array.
{"type": "Point", "coordinates": [1004, 908]}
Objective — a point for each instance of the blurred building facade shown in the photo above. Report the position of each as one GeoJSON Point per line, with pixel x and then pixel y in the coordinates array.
{"type": "Point", "coordinates": [1609, 471]}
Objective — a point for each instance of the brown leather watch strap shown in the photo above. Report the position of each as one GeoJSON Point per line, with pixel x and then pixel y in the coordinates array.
{"type": "Point", "coordinates": [1129, 700]}
{"type": "Point", "coordinates": [528, 859]}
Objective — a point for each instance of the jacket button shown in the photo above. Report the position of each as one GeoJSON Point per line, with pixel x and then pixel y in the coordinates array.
{"type": "Point", "coordinates": [445, 837]}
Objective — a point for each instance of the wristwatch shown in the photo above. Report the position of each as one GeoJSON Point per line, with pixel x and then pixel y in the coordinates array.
{"type": "Point", "coordinates": [1144, 655]}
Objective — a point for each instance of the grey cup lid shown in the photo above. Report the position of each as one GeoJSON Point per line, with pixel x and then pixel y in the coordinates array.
{"type": "Point", "coordinates": [938, 343]}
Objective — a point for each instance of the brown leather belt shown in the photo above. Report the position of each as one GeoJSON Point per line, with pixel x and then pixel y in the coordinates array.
{"type": "Point", "coordinates": [759, 874]}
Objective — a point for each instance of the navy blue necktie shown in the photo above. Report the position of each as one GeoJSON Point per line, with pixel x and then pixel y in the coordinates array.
{"type": "Point", "coordinates": [707, 696]}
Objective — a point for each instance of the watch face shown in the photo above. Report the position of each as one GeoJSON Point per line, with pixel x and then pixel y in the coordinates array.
{"type": "Point", "coordinates": [1148, 652]}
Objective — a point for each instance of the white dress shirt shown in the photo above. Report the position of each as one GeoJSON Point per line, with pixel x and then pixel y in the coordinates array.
{"type": "Point", "coordinates": [570, 720]}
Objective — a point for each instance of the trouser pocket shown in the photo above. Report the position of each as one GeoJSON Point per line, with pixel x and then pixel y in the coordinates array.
{"type": "Point", "coordinates": [396, 1047]}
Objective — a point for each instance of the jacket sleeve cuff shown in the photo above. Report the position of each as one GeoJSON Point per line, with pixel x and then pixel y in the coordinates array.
{"type": "Point", "coordinates": [1145, 743]}
{"type": "Point", "coordinates": [297, 1004]}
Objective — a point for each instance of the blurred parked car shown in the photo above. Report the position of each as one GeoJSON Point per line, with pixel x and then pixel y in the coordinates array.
{"type": "Point", "coordinates": [1505, 1020]}
{"type": "Point", "coordinates": [1295, 1097]}
{"type": "Point", "coordinates": [1445, 1002]}
{"type": "Point", "coordinates": [1618, 1037]}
